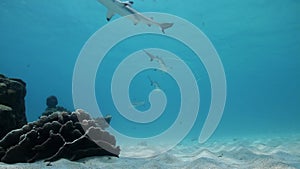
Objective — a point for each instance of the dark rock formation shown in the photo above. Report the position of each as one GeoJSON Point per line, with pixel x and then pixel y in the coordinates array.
{"type": "Point", "coordinates": [12, 104]}
{"type": "Point", "coordinates": [51, 102]}
{"type": "Point", "coordinates": [59, 135]}
{"type": "Point", "coordinates": [52, 107]}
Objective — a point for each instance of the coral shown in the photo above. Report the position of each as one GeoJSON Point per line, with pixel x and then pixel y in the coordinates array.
{"type": "Point", "coordinates": [59, 135]}
{"type": "Point", "coordinates": [52, 101]}
{"type": "Point", "coordinates": [52, 107]}
{"type": "Point", "coordinates": [12, 104]}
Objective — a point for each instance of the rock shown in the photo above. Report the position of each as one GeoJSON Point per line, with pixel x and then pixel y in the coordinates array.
{"type": "Point", "coordinates": [51, 101]}
{"type": "Point", "coordinates": [12, 104]}
{"type": "Point", "coordinates": [52, 107]}
{"type": "Point", "coordinates": [8, 122]}
{"type": "Point", "coordinates": [59, 135]}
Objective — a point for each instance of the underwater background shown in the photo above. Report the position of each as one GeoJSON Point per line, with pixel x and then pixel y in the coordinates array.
{"type": "Point", "coordinates": [257, 41]}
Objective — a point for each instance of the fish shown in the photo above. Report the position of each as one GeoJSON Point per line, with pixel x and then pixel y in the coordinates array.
{"type": "Point", "coordinates": [162, 64]}
{"type": "Point", "coordinates": [124, 8]}
{"type": "Point", "coordinates": [153, 83]}
{"type": "Point", "coordinates": [152, 57]}
{"type": "Point", "coordinates": [160, 60]}
{"type": "Point", "coordinates": [137, 104]}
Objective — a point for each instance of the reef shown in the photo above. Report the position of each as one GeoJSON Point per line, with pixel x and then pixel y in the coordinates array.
{"type": "Point", "coordinates": [60, 135]}
{"type": "Point", "coordinates": [12, 104]}
{"type": "Point", "coordinates": [52, 107]}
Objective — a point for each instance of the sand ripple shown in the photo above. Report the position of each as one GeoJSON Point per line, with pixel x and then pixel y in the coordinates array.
{"type": "Point", "coordinates": [232, 153]}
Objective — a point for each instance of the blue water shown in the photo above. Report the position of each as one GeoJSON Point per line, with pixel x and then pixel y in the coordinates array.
{"type": "Point", "coordinates": [257, 41]}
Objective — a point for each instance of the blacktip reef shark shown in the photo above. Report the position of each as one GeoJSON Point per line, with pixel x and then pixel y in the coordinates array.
{"type": "Point", "coordinates": [124, 8]}
{"type": "Point", "coordinates": [154, 83]}
{"type": "Point", "coordinates": [152, 57]}
{"type": "Point", "coordinates": [159, 60]}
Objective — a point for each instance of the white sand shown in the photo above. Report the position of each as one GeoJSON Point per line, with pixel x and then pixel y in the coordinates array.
{"type": "Point", "coordinates": [273, 153]}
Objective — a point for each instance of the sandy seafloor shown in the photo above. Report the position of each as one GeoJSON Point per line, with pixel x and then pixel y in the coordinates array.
{"type": "Point", "coordinates": [255, 153]}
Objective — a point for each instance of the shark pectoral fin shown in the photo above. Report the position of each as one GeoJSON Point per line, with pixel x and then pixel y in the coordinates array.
{"type": "Point", "coordinates": [149, 24]}
{"type": "Point", "coordinates": [109, 15]}
{"type": "Point", "coordinates": [135, 19]}
{"type": "Point", "coordinates": [164, 26]}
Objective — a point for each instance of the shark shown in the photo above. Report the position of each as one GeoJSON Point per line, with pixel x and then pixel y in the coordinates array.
{"type": "Point", "coordinates": [154, 83]}
{"type": "Point", "coordinates": [158, 59]}
{"type": "Point", "coordinates": [138, 103]}
{"type": "Point", "coordinates": [151, 56]}
{"type": "Point", "coordinates": [124, 8]}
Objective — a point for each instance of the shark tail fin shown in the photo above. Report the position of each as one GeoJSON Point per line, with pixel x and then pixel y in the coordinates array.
{"type": "Point", "coordinates": [164, 26]}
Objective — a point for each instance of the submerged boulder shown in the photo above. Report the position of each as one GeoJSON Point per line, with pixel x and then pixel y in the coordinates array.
{"type": "Point", "coordinates": [12, 104]}
{"type": "Point", "coordinates": [52, 106]}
